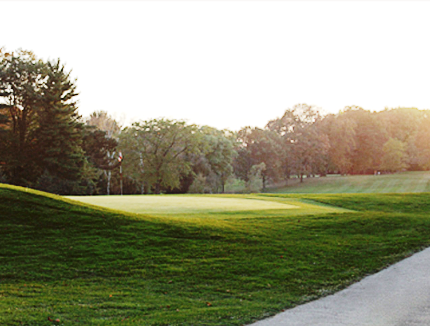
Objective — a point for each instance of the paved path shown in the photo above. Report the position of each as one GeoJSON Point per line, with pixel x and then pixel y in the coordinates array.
{"type": "Point", "coordinates": [396, 296]}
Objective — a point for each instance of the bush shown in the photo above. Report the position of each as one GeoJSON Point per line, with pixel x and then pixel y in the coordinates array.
{"type": "Point", "coordinates": [199, 185]}
{"type": "Point", "coordinates": [234, 185]}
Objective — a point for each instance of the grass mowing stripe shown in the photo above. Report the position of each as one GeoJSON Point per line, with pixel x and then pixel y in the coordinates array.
{"type": "Point", "coordinates": [421, 185]}
{"type": "Point", "coordinates": [90, 266]}
{"type": "Point", "coordinates": [386, 183]}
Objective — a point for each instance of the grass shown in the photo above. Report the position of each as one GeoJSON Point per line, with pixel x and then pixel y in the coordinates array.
{"type": "Point", "coordinates": [213, 206]}
{"type": "Point", "coordinates": [88, 265]}
{"type": "Point", "coordinates": [407, 182]}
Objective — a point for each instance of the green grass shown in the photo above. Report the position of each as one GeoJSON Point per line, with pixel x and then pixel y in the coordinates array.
{"type": "Point", "coordinates": [408, 182]}
{"type": "Point", "coordinates": [94, 266]}
{"type": "Point", "coordinates": [214, 206]}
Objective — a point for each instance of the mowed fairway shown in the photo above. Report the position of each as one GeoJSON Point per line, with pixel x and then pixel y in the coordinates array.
{"type": "Point", "coordinates": [407, 182]}
{"type": "Point", "coordinates": [89, 265]}
{"type": "Point", "coordinates": [207, 205]}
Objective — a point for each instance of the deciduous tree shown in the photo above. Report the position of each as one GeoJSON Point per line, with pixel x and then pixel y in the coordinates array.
{"type": "Point", "coordinates": [157, 151]}
{"type": "Point", "coordinates": [394, 157]}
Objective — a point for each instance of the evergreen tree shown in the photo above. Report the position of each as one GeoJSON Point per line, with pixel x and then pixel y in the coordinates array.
{"type": "Point", "coordinates": [59, 136]}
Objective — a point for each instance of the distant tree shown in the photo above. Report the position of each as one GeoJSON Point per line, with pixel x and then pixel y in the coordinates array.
{"type": "Point", "coordinates": [404, 124]}
{"type": "Point", "coordinates": [304, 142]}
{"type": "Point", "coordinates": [341, 133]}
{"type": "Point", "coordinates": [103, 121]}
{"type": "Point", "coordinates": [401, 123]}
{"type": "Point", "coordinates": [255, 181]}
{"type": "Point", "coordinates": [107, 144]}
{"type": "Point", "coordinates": [263, 146]}
{"type": "Point", "coordinates": [394, 156]}
{"type": "Point", "coordinates": [370, 136]}
{"type": "Point", "coordinates": [157, 151]}
{"type": "Point", "coordinates": [217, 151]}
{"type": "Point", "coordinates": [97, 148]}
{"type": "Point", "coordinates": [421, 144]}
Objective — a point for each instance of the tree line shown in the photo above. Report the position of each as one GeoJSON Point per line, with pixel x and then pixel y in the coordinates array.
{"type": "Point", "coordinates": [45, 144]}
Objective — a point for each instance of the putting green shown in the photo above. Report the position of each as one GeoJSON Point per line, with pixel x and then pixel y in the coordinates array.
{"type": "Point", "coordinates": [179, 204]}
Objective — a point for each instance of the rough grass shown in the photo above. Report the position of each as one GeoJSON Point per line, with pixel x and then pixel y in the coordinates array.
{"type": "Point", "coordinates": [93, 266]}
{"type": "Point", "coordinates": [408, 182]}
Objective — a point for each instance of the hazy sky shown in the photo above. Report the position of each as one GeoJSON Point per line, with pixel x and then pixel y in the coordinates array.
{"type": "Point", "coordinates": [229, 64]}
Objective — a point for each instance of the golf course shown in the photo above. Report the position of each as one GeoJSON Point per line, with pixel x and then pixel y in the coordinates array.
{"type": "Point", "coordinates": [197, 259]}
{"type": "Point", "coordinates": [385, 183]}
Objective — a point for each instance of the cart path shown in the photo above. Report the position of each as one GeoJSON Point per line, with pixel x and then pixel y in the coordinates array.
{"type": "Point", "coordinates": [396, 296]}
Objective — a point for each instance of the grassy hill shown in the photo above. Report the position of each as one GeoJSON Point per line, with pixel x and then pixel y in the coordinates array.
{"type": "Point", "coordinates": [386, 183]}
{"type": "Point", "coordinates": [86, 265]}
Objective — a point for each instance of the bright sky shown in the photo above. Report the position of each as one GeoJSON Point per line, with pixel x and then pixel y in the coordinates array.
{"type": "Point", "coordinates": [229, 64]}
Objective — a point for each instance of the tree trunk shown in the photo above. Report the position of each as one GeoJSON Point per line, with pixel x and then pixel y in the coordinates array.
{"type": "Point", "coordinates": [157, 188]}
{"type": "Point", "coordinates": [109, 174]}
{"type": "Point", "coordinates": [301, 177]}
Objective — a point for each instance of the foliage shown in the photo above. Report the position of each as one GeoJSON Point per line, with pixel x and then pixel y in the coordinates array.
{"type": "Point", "coordinates": [394, 156]}
{"type": "Point", "coordinates": [199, 185]}
{"type": "Point", "coordinates": [44, 143]}
{"type": "Point", "coordinates": [255, 179]}
{"type": "Point", "coordinates": [157, 152]}
{"type": "Point", "coordinates": [305, 142]}
{"type": "Point", "coordinates": [370, 136]}
{"type": "Point", "coordinates": [235, 185]}
{"type": "Point", "coordinates": [41, 131]}
{"type": "Point", "coordinates": [341, 133]}
{"type": "Point", "coordinates": [218, 152]}
{"type": "Point", "coordinates": [263, 146]}
{"type": "Point", "coordinates": [421, 144]}
{"type": "Point", "coordinates": [100, 145]}
{"type": "Point", "coordinates": [59, 133]}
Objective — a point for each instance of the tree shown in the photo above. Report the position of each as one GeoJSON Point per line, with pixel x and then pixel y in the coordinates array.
{"type": "Point", "coordinates": [394, 157]}
{"type": "Point", "coordinates": [242, 163]}
{"type": "Point", "coordinates": [304, 142]}
{"type": "Point", "coordinates": [370, 136]}
{"type": "Point", "coordinates": [255, 181]}
{"type": "Point", "coordinates": [216, 157]}
{"type": "Point", "coordinates": [21, 79]}
{"type": "Point", "coordinates": [59, 132]}
{"type": "Point", "coordinates": [97, 147]}
{"type": "Point", "coordinates": [401, 123]}
{"type": "Point", "coordinates": [43, 132]}
{"type": "Point", "coordinates": [404, 124]}
{"type": "Point", "coordinates": [111, 129]}
{"type": "Point", "coordinates": [422, 143]}
{"type": "Point", "coordinates": [264, 146]}
{"type": "Point", "coordinates": [341, 133]}
{"type": "Point", "coordinates": [157, 151]}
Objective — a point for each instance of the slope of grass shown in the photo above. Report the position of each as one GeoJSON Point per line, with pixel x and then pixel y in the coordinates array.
{"type": "Point", "coordinates": [408, 182]}
{"type": "Point", "coordinates": [93, 266]}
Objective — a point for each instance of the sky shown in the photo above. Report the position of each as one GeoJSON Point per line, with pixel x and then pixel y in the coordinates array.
{"type": "Point", "coordinates": [229, 64]}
